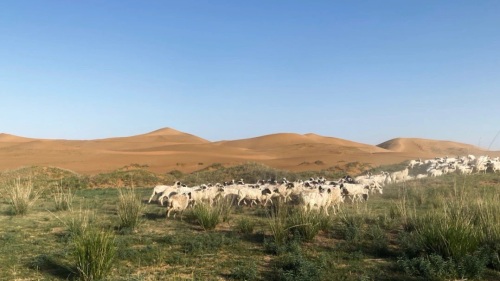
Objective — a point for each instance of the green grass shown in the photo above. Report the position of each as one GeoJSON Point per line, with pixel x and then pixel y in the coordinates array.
{"type": "Point", "coordinates": [362, 242]}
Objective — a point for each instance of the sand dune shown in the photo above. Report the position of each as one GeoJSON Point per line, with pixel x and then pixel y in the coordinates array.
{"type": "Point", "coordinates": [429, 147]}
{"type": "Point", "coordinates": [167, 149]}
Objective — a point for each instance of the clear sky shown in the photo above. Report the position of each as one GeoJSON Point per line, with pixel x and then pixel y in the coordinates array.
{"type": "Point", "coordinates": [367, 71]}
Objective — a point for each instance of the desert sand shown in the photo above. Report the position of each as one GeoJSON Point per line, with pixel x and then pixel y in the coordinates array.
{"type": "Point", "coordinates": [167, 149]}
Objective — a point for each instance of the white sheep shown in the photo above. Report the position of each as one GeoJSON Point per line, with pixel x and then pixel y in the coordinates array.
{"type": "Point", "coordinates": [178, 203]}
{"type": "Point", "coordinates": [255, 195]}
{"type": "Point", "coordinates": [160, 189]}
{"type": "Point", "coordinates": [320, 198]}
{"type": "Point", "coordinates": [399, 176]}
{"type": "Point", "coordinates": [356, 191]}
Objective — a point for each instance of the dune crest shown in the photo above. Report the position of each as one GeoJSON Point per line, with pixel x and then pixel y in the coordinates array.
{"type": "Point", "coordinates": [12, 138]}
{"type": "Point", "coordinates": [427, 146]}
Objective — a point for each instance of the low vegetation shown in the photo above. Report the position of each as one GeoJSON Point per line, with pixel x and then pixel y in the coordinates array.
{"type": "Point", "coordinates": [445, 228]}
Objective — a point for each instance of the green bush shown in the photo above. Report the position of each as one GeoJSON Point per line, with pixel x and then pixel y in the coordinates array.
{"type": "Point", "coordinates": [245, 226]}
{"type": "Point", "coordinates": [410, 244]}
{"type": "Point", "coordinates": [293, 266]}
{"type": "Point", "coordinates": [202, 243]}
{"type": "Point", "coordinates": [351, 227]}
{"type": "Point", "coordinates": [431, 268]}
{"type": "Point", "coordinates": [378, 240]}
{"type": "Point", "coordinates": [435, 267]}
{"type": "Point", "coordinates": [244, 271]}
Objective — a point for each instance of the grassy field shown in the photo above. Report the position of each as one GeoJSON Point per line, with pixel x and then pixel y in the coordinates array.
{"type": "Point", "coordinates": [445, 228]}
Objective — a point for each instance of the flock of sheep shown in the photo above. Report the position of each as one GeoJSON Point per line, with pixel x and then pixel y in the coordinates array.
{"type": "Point", "coordinates": [317, 193]}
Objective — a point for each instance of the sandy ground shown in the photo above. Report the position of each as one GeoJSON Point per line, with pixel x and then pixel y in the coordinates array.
{"type": "Point", "coordinates": [167, 149]}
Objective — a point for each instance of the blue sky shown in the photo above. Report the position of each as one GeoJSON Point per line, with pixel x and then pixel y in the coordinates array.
{"type": "Point", "coordinates": [366, 71]}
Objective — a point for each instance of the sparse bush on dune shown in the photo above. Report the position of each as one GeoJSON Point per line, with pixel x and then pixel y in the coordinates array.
{"type": "Point", "coordinates": [128, 178]}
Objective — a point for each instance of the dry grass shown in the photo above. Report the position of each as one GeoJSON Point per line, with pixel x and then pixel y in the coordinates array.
{"type": "Point", "coordinates": [22, 196]}
{"type": "Point", "coordinates": [63, 199]}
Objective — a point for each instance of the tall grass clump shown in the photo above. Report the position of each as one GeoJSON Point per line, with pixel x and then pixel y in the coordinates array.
{"type": "Point", "coordinates": [129, 209]}
{"type": "Point", "coordinates": [63, 199]}
{"type": "Point", "coordinates": [94, 252]}
{"type": "Point", "coordinates": [306, 224]}
{"type": "Point", "coordinates": [208, 216]}
{"type": "Point", "coordinates": [457, 237]}
{"type": "Point", "coordinates": [78, 222]}
{"type": "Point", "coordinates": [489, 221]}
{"type": "Point", "coordinates": [278, 223]}
{"type": "Point", "coordinates": [290, 225]}
{"type": "Point", "coordinates": [22, 196]}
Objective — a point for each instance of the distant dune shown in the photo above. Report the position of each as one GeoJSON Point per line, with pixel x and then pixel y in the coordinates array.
{"type": "Point", "coordinates": [429, 147]}
{"type": "Point", "coordinates": [167, 149]}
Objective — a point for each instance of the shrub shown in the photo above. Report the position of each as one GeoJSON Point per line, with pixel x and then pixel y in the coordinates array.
{"type": "Point", "coordinates": [471, 266]}
{"type": "Point", "coordinates": [244, 271]}
{"type": "Point", "coordinates": [130, 209]}
{"type": "Point", "coordinates": [435, 267]}
{"type": "Point", "coordinates": [245, 226]}
{"type": "Point", "coordinates": [379, 240]}
{"type": "Point", "coordinates": [351, 227]}
{"type": "Point", "coordinates": [410, 244]}
{"type": "Point", "coordinates": [94, 251]}
{"type": "Point", "coordinates": [294, 266]}
{"type": "Point", "coordinates": [202, 243]}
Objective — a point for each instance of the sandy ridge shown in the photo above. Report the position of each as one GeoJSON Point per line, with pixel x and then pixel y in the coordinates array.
{"type": "Point", "coordinates": [168, 149]}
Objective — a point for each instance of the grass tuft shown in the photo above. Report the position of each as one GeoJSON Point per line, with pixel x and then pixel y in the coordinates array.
{"type": "Point", "coordinates": [130, 209]}
{"type": "Point", "coordinates": [209, 216]}
{"type": "Point", "coordinates": [94, 251]}
{"type": "Point", "coordinates": [63, 199]}
{"type": "Point", "coordinates": [22, 196]}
